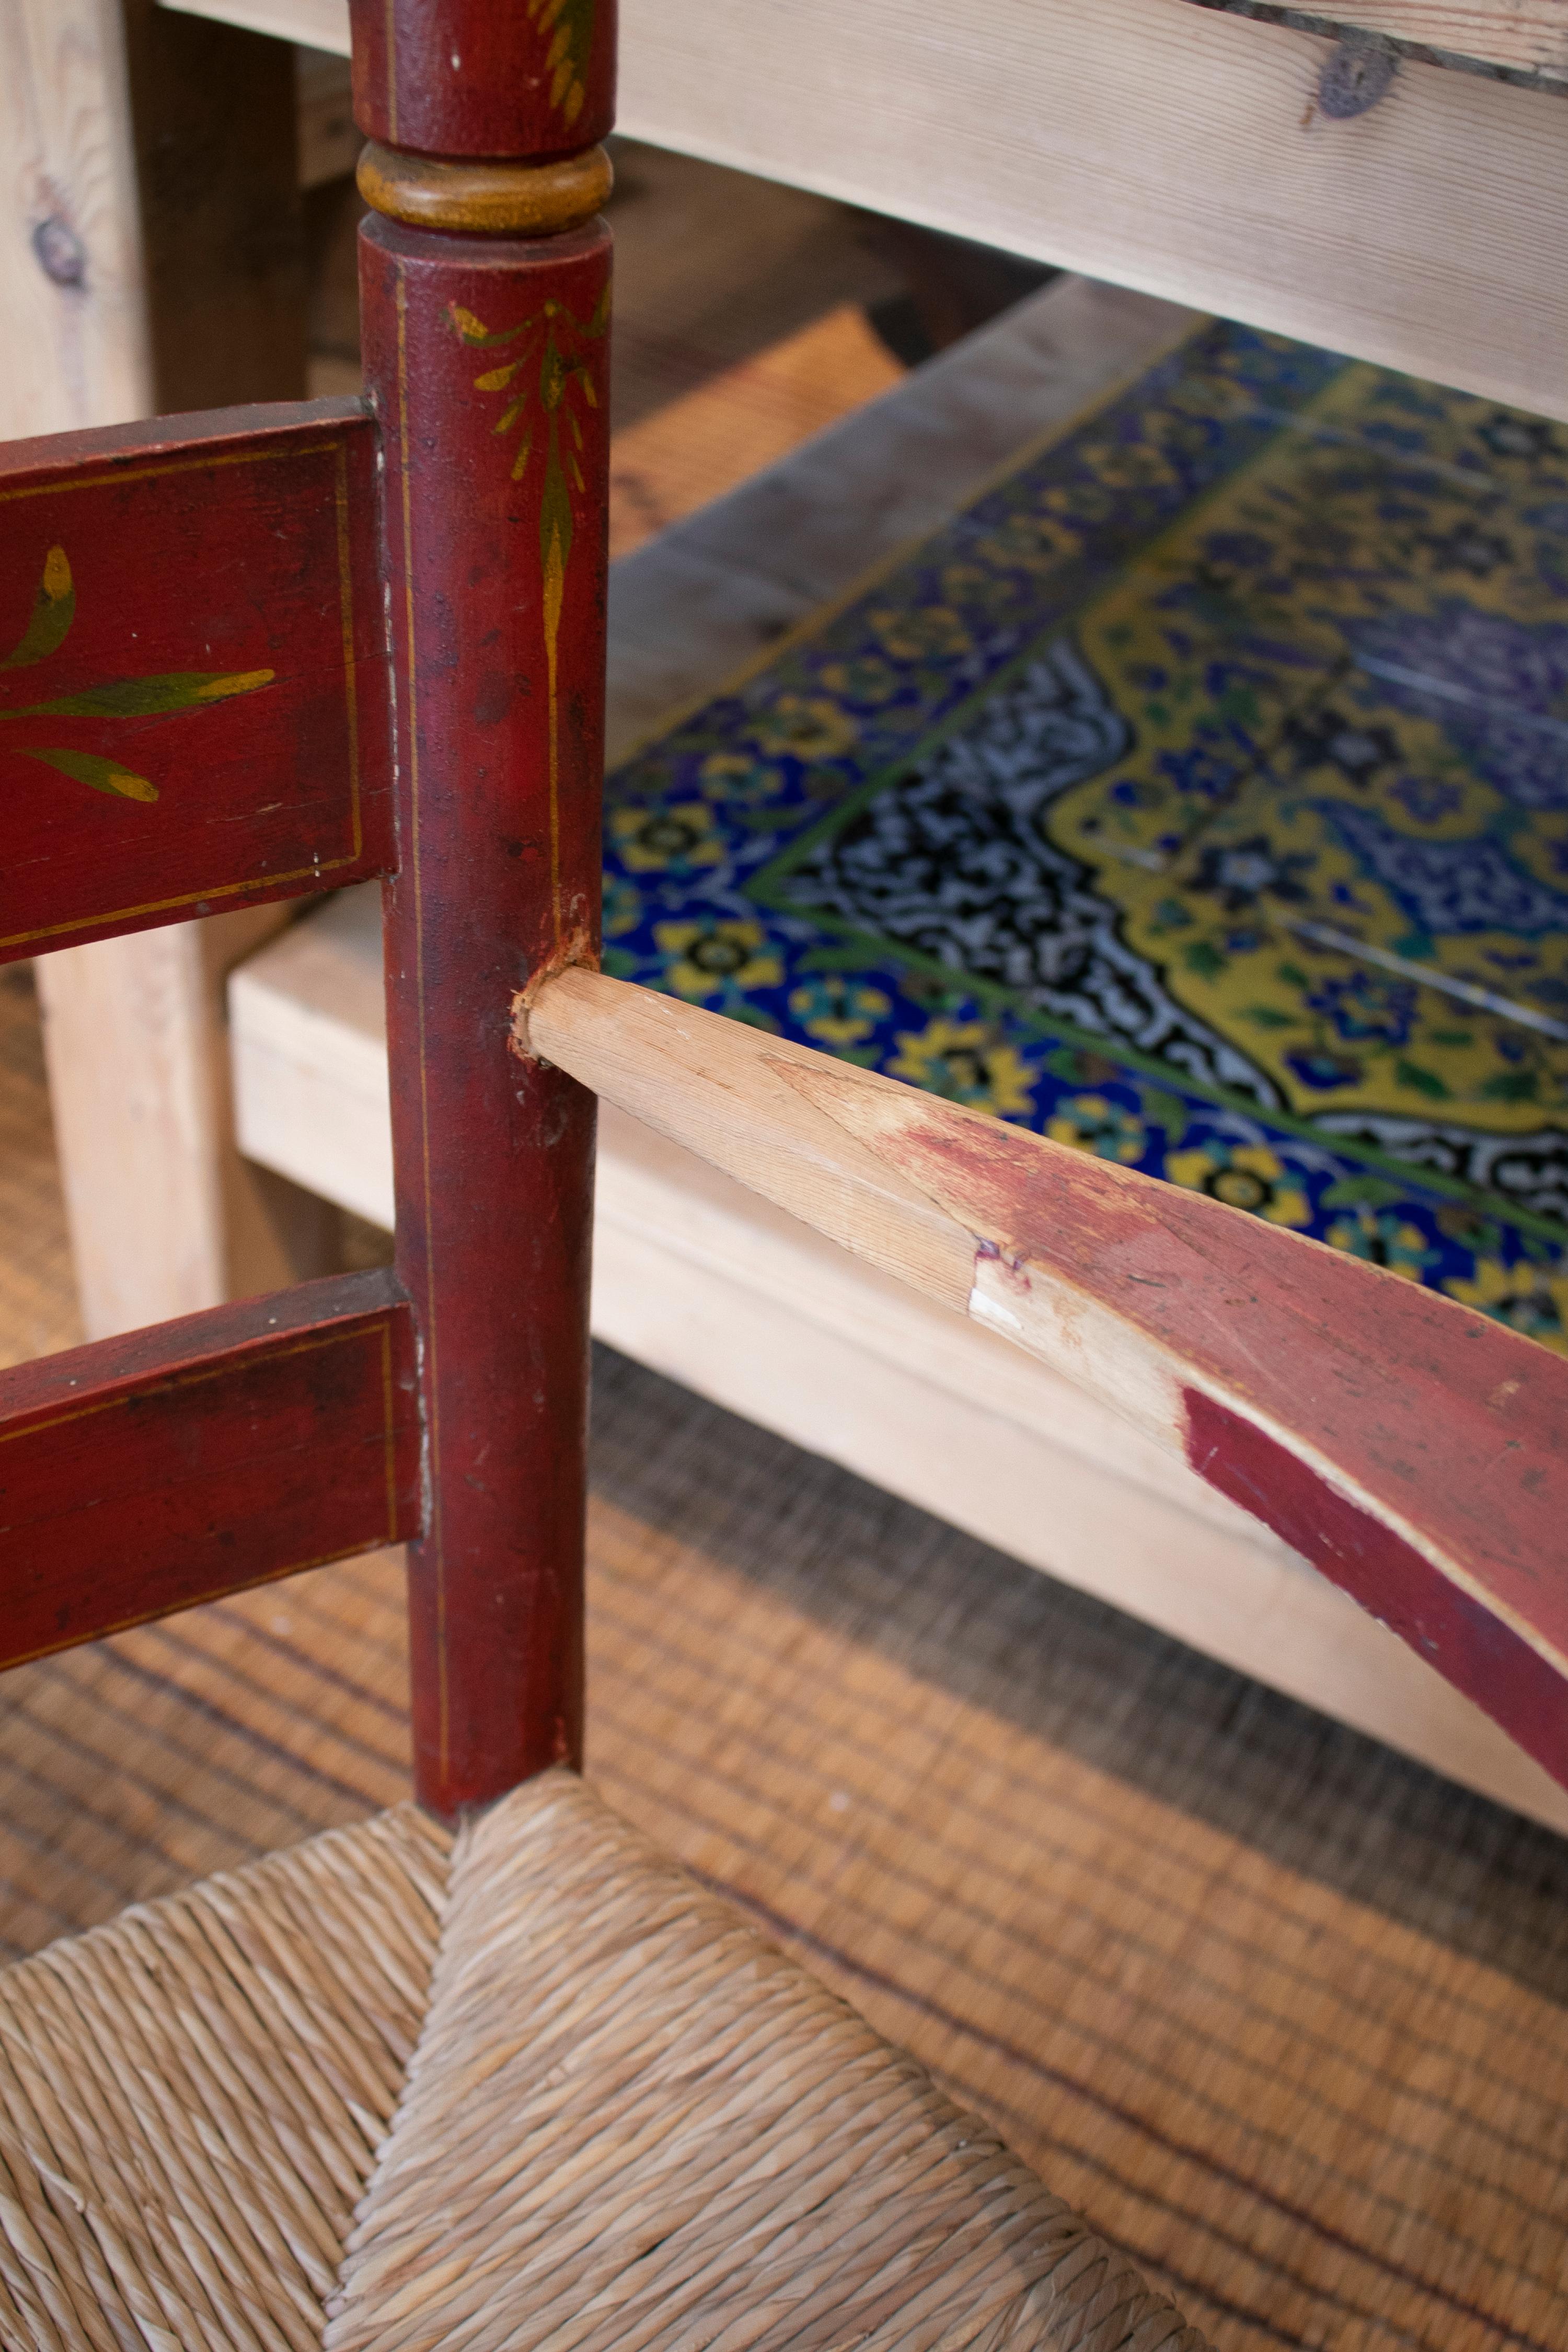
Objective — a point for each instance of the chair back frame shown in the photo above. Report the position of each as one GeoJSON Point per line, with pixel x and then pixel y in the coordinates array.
{"type": "Point", "coordinates": [380, 645]}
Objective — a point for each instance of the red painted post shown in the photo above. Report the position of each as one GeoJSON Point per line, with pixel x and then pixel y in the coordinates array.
{"type": "Point", "coordinates": [484, 356]}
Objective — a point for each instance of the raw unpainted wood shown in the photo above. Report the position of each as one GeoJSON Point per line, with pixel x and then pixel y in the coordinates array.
{"type": "Point", "coordinates": [318, 24]}
{"type": "Point", "coordinates": [1405, 1445]}
{"type": "Point", "coordinates": [1168, 147]}
{"type": "Point", "coordinates": [706, 1282]}
{"type": "Point", "coordinates": [1527, 35]}
{"type": "Point", "coordinates": [716, 591]}
{"type": "Point", "coordinates": [1164, 146]}
{"type": "Point", "coordinates": [165, 1215]}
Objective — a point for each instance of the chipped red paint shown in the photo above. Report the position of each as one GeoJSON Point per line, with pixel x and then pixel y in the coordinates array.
{"type": "Point", "coordinates": [499, 826]}
{"type": "Point", "coordinates": [1452, 1423]}
{"type": "Point", "coordinates": [1472, 1648]}
{"type": "Point", "coordinates": [146, 1474]}
{"type": "Point", "coordinates": [194, 711]}
{"type": "Point", "coordinates": [467, 78]}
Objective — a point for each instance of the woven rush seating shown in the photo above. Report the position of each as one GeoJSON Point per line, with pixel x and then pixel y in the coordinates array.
{"type": "Point", "coordinates": [534, 2086]}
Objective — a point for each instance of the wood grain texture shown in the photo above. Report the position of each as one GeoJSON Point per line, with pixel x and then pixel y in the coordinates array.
{"type": "Point", "coordinates": [495, 563]}
{"type": "Point", "coordinates": [1162, 146]}
{"type": "Point", "coordinates": [166, 1217]}
{"type": "Point", "coordinates": [464, 78]}
{"type": "Point", "coordinates": [1408, 1448]}
{"type": "Point", "coordinates": [193, 710]}
{"type": "Point", "coordinates": [144, 1473]}
{"type": "Point", "coordinates": [1526, 35]}
{"type": "Point", "coordinates": [1523, 36]}
{"type": "Point", "coordinates": [71, 254]}
{"type": "Point", "coordinates": [699, 1277]}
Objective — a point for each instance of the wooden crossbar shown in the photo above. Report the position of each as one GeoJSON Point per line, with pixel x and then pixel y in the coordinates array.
{"type": "Point", "coordinates": [194, 708]}
{"type": "Point", "coordinates": [1411, 1450]}
{"type": "Point", "coordinates": [144, 1473]}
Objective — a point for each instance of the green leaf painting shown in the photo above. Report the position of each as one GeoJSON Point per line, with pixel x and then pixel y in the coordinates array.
{"type": "Point", "coordinates": [157, 696]}
{"type": "Point", "coordinates": [54, 610]}
{"type": "Point", "coordinates": [548, 385]}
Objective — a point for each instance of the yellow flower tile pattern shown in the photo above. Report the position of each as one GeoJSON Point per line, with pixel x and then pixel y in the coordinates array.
{"type": "Point", "coordinates": [1199, 798]}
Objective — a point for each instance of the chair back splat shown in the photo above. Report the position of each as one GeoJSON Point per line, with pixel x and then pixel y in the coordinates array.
{"type": "Point", "coordinates": [485, 355]}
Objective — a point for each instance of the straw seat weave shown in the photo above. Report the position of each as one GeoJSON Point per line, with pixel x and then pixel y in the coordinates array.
{"type": "Point", "coordinates": [536, 2088]}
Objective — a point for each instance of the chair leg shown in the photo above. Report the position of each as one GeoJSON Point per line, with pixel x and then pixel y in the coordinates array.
{"type": "Point", "coordinates": [485, 357]}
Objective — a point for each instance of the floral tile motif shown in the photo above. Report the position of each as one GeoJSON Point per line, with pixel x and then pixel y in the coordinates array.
{"type": "Point", "coordinates": [1199, 798]}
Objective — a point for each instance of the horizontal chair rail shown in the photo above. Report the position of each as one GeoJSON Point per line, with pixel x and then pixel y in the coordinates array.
{"type": "Point", "coordinates": [193, 707]}
{"type": "Point", "coordinates": [146, 1472]}
{"type": "Point", "coordinates": [1410, 1449]}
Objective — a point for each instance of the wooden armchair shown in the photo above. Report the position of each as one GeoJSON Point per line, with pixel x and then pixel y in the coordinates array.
{"type": "Point", "coordinates": [488, 2071]}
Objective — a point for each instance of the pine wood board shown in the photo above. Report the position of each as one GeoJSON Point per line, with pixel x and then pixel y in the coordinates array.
{"type": "Point", "coordinates": [1520, 36]}
{"type": "Point", "coordinates": [1172, 148]}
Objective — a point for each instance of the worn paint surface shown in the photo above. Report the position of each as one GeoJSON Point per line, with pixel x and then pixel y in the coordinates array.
{"type": "Point", "coordinates": [1451, 1430]}
{"type": "Point", "coordinates": [497, 573]}
{"type": "Point", "coordinates": [465, 77]}
{"type": "Point", "coordinates": [1490, 1661]}
{"type": "Point", "coordinates": [192, 697]}
{"type": "Point", "coordinates": [144, 1473]}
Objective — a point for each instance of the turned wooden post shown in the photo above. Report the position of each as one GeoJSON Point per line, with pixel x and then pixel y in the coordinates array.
{"type": "Point", "coordinates": [485, 283]}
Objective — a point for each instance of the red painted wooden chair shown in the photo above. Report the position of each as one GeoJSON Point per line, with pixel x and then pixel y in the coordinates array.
{"type": "Point", "coordinates": [569, 2095]}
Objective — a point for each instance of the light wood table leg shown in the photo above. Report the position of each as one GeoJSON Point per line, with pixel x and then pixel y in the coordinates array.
{"type": "Point", "coordinates": [149, 260]}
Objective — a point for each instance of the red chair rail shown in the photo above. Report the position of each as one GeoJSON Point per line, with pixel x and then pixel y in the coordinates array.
{"type": "Point", "coordinates": [147, 1473]}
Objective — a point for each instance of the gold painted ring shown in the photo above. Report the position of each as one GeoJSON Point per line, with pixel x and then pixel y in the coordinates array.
{"type": "Point", "coordinates": [486, 199]}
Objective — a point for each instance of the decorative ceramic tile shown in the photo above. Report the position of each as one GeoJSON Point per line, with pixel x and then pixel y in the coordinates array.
{"type": "Point", "coordinates": [1198, 797]}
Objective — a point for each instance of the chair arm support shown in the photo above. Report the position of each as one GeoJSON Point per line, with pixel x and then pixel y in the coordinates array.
{"type": "Point", "coordinates": [1410, 1449]}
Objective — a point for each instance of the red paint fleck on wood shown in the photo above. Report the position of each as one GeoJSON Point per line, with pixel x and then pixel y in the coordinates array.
{"type": "Point", "coordinates": [1456, 1635]}
{"type": "Point", "coordinates": [146, 1474]}
{"type": "Point", "coordinates": [465, 77]}
{"type": "Point", "coordinates": [1452, 1423]}
{"type": "Point", "coordinates": [194, 711]}
{"type": "Point", "coordinates": [487, 363]}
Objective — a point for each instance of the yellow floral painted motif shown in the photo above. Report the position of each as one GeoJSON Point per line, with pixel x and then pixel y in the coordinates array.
{"type": "Point", "coordinates": [808, 726]}
{"type": "Point", "coordinates": [716, 959]}
{"type": "Point", "coordinates": [1094, 1123]}
{"type": "Point", "coordinates": [549, 375]}
{"type": "Point", "coordinates": [1382, 1239]}
{"type": "Point", "coordinates": [934, 633]}
{"type": "Point", "coordinates": [569, 24]}
{"type": "Point", "coordinates": [662, 840]}
{"type": "Point", "coordinates": [965, 1062]}
{"type": "Point", "coordinates": [1244, 1176]}
{"type": "Point", "coordinates": [737, 777]}
{"type": "Point", "coordinates": [155, 696]}
{"type": "Point", "coordinates": [1533, 1299]}
{"type": "Point", "coordinates": [842, 1013]}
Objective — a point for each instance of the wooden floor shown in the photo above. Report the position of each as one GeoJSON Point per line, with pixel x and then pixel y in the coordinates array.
{"type": "Point", "coordinates": [1284, 2014]}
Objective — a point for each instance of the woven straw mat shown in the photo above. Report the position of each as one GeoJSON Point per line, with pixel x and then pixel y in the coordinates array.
{"type": "Point", "coordinates": [536, 2087]}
